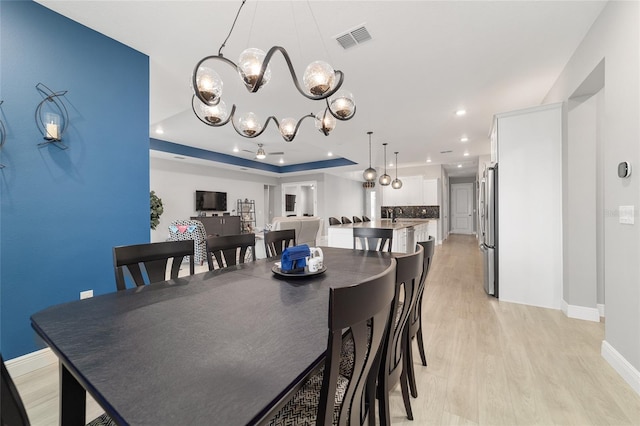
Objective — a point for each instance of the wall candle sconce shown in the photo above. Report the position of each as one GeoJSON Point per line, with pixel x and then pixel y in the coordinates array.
{"type": "Point", "coordinates": [3, 136]}
{"type": "Point", "coordinates": [52, 117]}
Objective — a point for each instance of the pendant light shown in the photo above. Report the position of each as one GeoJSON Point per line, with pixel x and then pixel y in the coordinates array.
{"type": "Point", "coordinates": [397, 183]}
{"type": "Point", "coordinates": [370, 174]}
{"type": "Point", "coordinates": [385, 179]}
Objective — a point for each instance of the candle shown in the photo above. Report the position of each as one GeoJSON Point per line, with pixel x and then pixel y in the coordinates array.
{"type": "Point", "coordinates": [52, 132]}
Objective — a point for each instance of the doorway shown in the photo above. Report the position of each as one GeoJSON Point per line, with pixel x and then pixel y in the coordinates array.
{"type": "Point", "coordinates": [299, 198]}
{"type": "Point", "coordinates": [462, 208]}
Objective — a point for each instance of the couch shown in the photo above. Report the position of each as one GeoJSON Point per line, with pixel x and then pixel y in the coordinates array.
{"type": "Point", "coordinates": [307, 227]}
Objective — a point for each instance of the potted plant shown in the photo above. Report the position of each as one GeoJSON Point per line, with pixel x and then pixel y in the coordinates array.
{"type": "Point", "coordinates": [156, 209]}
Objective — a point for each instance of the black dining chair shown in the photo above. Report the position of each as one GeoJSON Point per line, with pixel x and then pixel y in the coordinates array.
{"type": "Point", "coordinates": [154, 257]}
{"type": "Point", "coordinates": [362, 311]}
{"type": "Point", "coordinates": [356, 219]}
{"type": "Point", "coordinates": [334, 221]}
{"type": "Point", "coordinates": [392, 366]}
{"type": "Point", "coordinates": [345, 219]}
{"type": "Point", "coordinates": [230, 250]}
{"type": "Point", "coordinates": [415, 318]}
{"type": "Point", "coordinates": [373, 239]}
{"type": "Point", "coordinates": [12, 410]}
{"type": "Point", "coordinates": [276, 241]}
{"type": "Point", "coordinates": [365, 219]}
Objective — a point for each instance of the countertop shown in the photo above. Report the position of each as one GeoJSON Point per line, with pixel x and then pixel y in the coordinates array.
{"type": "Point", "coordinates": [384, 224]}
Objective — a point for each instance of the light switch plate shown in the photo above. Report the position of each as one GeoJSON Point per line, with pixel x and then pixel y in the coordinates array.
{"type": "Point", "coordinates": [626, 214]}
{"type": "Point", "coordinates": [86, 294]}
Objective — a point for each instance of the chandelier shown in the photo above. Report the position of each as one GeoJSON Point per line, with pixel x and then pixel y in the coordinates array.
{"type": "Point", "coordinates": [396, 183]}
{"type": "Point", "coordinates": [320, 82]}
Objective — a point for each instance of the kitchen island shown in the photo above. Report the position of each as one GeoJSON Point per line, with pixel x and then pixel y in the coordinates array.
{"type": "Point", "coordinates": [405, 233]}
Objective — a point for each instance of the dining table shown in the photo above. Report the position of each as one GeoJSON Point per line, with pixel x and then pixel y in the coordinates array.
{"type": "Point", "coordinates": [220, 347]}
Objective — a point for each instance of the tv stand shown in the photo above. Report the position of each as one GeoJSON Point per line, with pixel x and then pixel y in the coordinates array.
{"type": "Point", "coordinates": [220, 225]}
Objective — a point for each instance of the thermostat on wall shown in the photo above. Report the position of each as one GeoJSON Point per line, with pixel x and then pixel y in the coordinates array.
{"type": "Point", "coordinates": [624, 169]}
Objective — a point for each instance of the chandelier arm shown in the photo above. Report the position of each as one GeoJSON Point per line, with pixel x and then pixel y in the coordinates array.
{"type": "Point", "coordinates": [284, 53]}
{"type": "Point", "coordinates": [337, 116]}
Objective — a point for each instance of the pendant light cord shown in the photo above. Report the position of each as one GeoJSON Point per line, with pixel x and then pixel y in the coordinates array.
{"type": "Point", "coordinates": [224, 43]}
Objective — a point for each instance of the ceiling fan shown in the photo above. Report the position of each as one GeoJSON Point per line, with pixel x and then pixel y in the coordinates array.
{"type": "Point", "coordinates": [261, 154]}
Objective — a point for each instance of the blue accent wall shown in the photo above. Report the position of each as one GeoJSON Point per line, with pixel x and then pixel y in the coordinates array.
{"type": "Point", "coordinates": [62, 211]}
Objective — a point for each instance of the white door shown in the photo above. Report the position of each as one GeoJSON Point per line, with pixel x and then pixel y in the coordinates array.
{"type": "Point", "coordinates": [462, 208]}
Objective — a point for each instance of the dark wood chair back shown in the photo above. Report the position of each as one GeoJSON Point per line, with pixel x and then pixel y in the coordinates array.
{"type": "Point", "coordinates": [12, 411]}
{"type": "Point", "coordinates": [373, 239]}
{"type": "Point", "coordinates": [356, 219]}
{"type": "Point", "coordinates": [408, 272]}
{"type": "Point", "coordinates": [276, 241]}
{"type": "Point", "coordinates": [365, 219]}
{"type": "Point", "coordinates": [414, 318]}
{"type": "Point", "coordinates": [230, 250]}
{"type": "Point", "coordinates": [334, 221]}
{"type": "Point", "coordinates": [345, 219]}
{"type": "Point", "coordinates": [154, 258]}
{"type": "Point", "coordinates": [363, 311]}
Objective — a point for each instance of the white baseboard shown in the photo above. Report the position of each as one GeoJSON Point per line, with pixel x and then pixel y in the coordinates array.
{"type": "Point", "coordinates": [580, 312]}
{"type": "Point", "coordinates": [601, 309]}
{"type": "Point", "coordinates": [30, 362]}
{"type": "Point", "coordinates": [623, 367]}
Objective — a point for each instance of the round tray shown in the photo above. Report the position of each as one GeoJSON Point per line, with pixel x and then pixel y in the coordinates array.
{"type": "Point", "coordinates": [276, 270]}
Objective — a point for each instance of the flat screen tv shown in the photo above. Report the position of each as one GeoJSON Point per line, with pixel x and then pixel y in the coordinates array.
{"type": "Point", "coordinates": [211, 201]}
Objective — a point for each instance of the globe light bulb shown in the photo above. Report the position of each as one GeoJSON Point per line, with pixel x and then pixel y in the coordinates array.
{"type": "Point", "coordinates": [214, 114]}
{"type": "Point", "coordinates": [318, 78]}
{"type": "Point", "coordinates": [287, 128]}
{"type": "Point", "coordinates": [369, 174]}
{"type": "Point", "coordinates": [385, 180]}
{"type": "Point", "coordinates": [208, 85]}
{"type": "Point", "coordinates": [325, 122]}
{"type": "Point", "coordinates": [342, 105]}
{"type": "Point", "coordinates": [249, 66]}
{"type": "Point", "coordinates": [396, 184]}
{"type": "Point", "coordinates": [249, 124]}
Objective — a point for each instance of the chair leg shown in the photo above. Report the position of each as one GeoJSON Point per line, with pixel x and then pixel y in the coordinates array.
{"type": "Point", "coordinates": [408, 367]}
{"type": "Point", "coordinates": [405, 393]}
{"type": "Point", "coordinates": [421, 345]}
{"type": "Point", "coordinates": [371, 396]}
{"type": "Point", "coordinates": [383, 403]}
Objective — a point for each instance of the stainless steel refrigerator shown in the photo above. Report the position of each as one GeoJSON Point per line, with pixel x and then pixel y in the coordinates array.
{"type": "Point", "coordinates": [489, 227]}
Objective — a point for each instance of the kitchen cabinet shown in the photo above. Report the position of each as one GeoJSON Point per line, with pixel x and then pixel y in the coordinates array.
{"type": "Point", "coordinates": [220, 225]}
{"type": "Point", "coordinates": [411, 193]}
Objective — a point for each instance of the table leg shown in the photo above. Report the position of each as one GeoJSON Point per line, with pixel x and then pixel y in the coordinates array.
{"type": "Point", "coordinates": [73, 399]}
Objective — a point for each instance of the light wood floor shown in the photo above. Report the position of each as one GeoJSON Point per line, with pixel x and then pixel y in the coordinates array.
{"type": "Point", "coordinates": [490, 362]}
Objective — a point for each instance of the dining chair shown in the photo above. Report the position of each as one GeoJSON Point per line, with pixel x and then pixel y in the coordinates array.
{"type": "Point", "coordinates": [415, 318]}
{"type": "Point", "coordinates": [12, 410]}
{"type": "Point", "coordinates": [373, 239]}
{"type": "Point", "coordinates": [365, 219]}
{"type": "Point", "coordinates": [392, 366]}
{"type": "Point", "coordinates": [327, 397]}
{"type": "Point", "coordinates": [230, 250]}
{"type": "Point", "coordinates": [154, 258]}
{"type": "Point", "coordinates": [345, 219]}
{"type": "Point", "coordinates": [334, 221]}
{"type": "Point", "coordinates": [276, 241]}
{"type": "Point", "coordinates": [356, 219]}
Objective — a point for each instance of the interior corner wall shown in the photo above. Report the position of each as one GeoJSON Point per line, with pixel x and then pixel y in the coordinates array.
{"type": "Point", "coordinates": [615, 37]}
{"type": "Point", "coordinates": [62, 211]}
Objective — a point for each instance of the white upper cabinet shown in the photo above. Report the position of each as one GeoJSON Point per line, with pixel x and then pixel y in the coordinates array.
{"type": "Point", "coordinates": [415, 191]}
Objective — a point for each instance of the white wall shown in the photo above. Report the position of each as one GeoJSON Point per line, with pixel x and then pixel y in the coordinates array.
{"type": "Point", "coordinates": [342, 197]}
{"type": "Point", "coordinates": [615, 37]}
{"type": "Point", "coordinates": [530, 206]}
{"type": "Point", "coordinates": [175, 183]}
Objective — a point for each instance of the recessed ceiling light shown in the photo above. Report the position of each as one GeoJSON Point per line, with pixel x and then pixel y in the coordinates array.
{"type": "Point", "coordinates": [428, 160]}
{"type": "Point", "coordinates": [459, 166]}
{"type": "Point", "coordinates": [464, 139]}
{"type": "Point", "coordinates": [235, 149]}
{"type": "Point", "coordinates": [330, 154]}
{"type": "Point", "coordinates": [466, 154]}
{"type": "Point", "coordinates": [461, 112]}
{"type": "Point", "coordinates": [281, 161]}
{"type": "Point", "coordinates": [159, 131]}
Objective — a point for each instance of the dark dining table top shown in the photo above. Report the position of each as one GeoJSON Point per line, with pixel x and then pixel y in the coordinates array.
{"type": "Point", "coordinates": [220, 347]}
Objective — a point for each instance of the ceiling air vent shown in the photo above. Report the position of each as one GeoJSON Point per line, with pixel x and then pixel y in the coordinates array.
{"type": "Point", "coordinates": [353, 37]}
